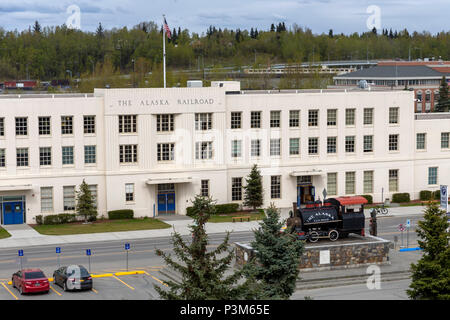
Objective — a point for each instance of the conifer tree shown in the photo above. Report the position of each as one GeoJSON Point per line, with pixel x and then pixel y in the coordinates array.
{"type": "Point", "coordinates": [443, 104]}
{"type": "Point", "coordinates": [85, 203]}
{"type": "Point", "coordinates": [276, 260]}
{"type": "Point", "coordinates": [431, 274]}
{"type": "Point", "coordinates": [253, 196]}
{"type": "Point", "coordinates": [202, 272]}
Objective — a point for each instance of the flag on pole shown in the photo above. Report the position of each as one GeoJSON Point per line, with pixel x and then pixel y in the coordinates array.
{"type": "Point", "coordinates": [167, 29]}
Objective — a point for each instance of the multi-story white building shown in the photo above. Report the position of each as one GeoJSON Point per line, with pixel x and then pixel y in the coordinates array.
{"type": "Point", "coordinates": [152, 150]}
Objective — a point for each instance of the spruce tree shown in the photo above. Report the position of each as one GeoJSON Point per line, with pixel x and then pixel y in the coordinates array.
{"type": "Point", "coordinates": [253, 196]}
{"type": "Point", "coordinates": [443, 104]}
{"type": "Point", "coordinates": [202, 272]}
{"type": "Point", "coordinates": [85, 203]}
{"type": "Point", "coordinates": [277, 256]}
{"type": "Point", "coordinates": [431, 274]}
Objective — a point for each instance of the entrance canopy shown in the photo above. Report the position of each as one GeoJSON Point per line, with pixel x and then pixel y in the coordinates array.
{"type": "Point", "coordinates": [307, 173]}
{"type": "Point", "coordinates": [17, 187]}
{"type": "Point", "coordinates": [169, 180]}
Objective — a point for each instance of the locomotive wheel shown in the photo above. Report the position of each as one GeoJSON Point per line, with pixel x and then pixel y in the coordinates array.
{"type": "Point", "coordinates": [313, 236]}
{"type": "Point", "coordinates": [333, 235]}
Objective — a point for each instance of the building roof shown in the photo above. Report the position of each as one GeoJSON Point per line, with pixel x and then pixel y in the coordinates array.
{"type": "Point", "coordinates": [392, 71]}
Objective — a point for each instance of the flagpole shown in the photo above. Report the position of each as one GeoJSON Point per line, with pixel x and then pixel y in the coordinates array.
{"type": "Point", "coordinates": [164, 52]}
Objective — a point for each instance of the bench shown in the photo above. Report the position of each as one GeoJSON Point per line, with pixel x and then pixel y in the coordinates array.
{"type": "Point", "coordinates": [241, 218]}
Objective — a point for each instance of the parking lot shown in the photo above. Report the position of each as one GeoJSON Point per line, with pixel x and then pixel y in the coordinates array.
{"type": "Point", "coordinates": [110, 285]}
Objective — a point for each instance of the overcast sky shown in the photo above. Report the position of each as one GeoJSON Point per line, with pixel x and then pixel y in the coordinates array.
{"type": "Point", "coordinates": [345, 16]}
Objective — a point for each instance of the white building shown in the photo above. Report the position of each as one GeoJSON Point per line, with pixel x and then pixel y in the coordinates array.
{"type": "Point", "coordinates": [152, 150]}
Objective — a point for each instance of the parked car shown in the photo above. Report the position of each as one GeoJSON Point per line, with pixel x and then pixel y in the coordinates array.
{"type": "Point", "coordinates": [30, 280]}
{"type": "Point", "coordinates": [73, 277]}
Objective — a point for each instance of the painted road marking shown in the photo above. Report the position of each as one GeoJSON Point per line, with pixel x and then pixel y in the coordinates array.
{"type": "Point", "coordinates": [9, 291]}
{"type": "Point", "coordinates": [59, 294]}
{"type": "Point", "coordinates": [123, 282]}
{"type": "Point", "coordinates": [154, 278]}
{"type": "Point", "coordinates": [94, 290]}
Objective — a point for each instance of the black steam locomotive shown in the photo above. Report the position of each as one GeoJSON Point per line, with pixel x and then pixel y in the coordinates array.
{"type": "Point", "coordinates": [333, 219]}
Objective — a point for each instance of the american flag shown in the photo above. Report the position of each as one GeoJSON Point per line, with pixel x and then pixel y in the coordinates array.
{"type": "Point", "coordinates": [167, 29]}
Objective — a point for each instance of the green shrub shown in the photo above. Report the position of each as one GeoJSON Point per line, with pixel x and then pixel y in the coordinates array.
{"type": "Point", "coordinates": [437, 195]}
{"type": "Point", "coordinates": [59, 218]}
{"type": "Point", "coordinates": [400, 197]}
{"type": "Point", "coordinates": [39, 219]}
{"type": "Point", "coordinates": [226, 208]}
{"type": "Point", "coordinates": [425, 195]}
{"type": "Point", "coordinates": [121, 214]}
{"type": "Point", "coordinates": [368, 197]}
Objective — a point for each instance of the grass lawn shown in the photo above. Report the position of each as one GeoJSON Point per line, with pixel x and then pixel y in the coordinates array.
{"type": "Point", "coordinates": [228, 217]}
{"type": "Point", "coordinates": [4, 234]}
{"type": "Point", "coordinates": [101, 226]}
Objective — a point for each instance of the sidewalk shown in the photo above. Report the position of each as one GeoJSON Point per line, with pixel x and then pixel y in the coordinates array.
{"type": "Point", "coordinates": [25, 236]}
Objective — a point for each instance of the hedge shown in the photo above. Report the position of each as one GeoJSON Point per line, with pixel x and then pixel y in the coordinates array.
{"type": "Point", "coordinates": [56, 218]}
{"type": "Point", "coordinates": [400, 197]}
{"type": "Point", "coordinates": [425, 195]}
{"type": "Point", "coordinates": [368, 197]}
{"type": "Point", "coordinates": [220, 209]}
{"type": "Point", "coordinates": [437, 194]}
{"type": "Point", "coordinates": [121, 214]}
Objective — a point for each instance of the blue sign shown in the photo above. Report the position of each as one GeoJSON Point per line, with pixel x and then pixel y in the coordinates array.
{"type": "Point", "coordinates": [20, 253]}
{"type": "Point", "coordinates": [127, 246]}
{"type": "Point", "coordinates": [88, 252]}
{"type": "Point", "coordinates": [408, 223]}
{"type": "Point", "coordinates": [58, 250]}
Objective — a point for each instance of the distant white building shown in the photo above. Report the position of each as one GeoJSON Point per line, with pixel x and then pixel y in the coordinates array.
{"type": "Point", "coordinates": [152, 150]}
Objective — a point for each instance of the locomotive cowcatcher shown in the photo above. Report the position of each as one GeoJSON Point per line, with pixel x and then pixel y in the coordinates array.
{"type": "Point", "coordinates": [333, 219]}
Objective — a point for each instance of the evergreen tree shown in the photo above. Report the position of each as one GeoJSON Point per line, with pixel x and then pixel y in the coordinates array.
{"type": "Point", "coordinates": [443, 104]}
{"type": "Point", "coordinates": [431, 274]}
{"type": "Point", "coordinates": [202, 272]}
{"type": "Point", "coordinates": [85, 203]}
{"type": "Point", "coordinates": [100, 32]}
{"type": "Point", "coordinates": [277, 256]}
{"type": "Point", "coordinates": [253, 196]}
{"type": "Point", "coordinates": [272, 28]}
{"type": "Point", "coordinates": [37, 27]}
{"type": "Point", "coordinates": [330, 33]}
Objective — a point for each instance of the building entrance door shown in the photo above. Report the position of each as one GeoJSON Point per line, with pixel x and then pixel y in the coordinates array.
{"type": "Point", "coordinates": [166, 199]}
{"type": "Point", "coordinates": [13, 212]}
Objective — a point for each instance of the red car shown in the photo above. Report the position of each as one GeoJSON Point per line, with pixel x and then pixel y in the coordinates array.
{"type": "Point", "coordinates": [30, 280]}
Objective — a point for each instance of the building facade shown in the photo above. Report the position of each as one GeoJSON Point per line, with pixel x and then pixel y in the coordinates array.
{"type": "Point", "coordinates": [153, 150]}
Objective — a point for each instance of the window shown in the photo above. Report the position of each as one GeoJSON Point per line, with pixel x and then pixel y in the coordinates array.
{"type": "Point", "coordinates": [313, 145]}
{"type": "Point", "coordinates": [332, 183]}
{"type": "Point", "coordinates": [22, 157]}
{"type": "Point", "coordinates": [204, 188]}
{"type": "Point", "coordinates": [127, 123]}
{"type": "Point", "coordinates": [89, 124]}
{"type": "Point", "coordinates": [350, 117]}
{"type": "Point", "coordinates": [129, 192]}
{"type": "Point", "coordinates": [67, 155]}
{"type": "Point", "coordinates": [294, 118]}
{"type": "Point", "coordinates": [255, 148]}
{"type": "Point", "coordinates": [255, 119]}
{"type": "Point", "coordinates": [69, 198]}
{"type": "Point", "coordinates": [2, 127]}
{"type": "Point", "coordinates": [45, 156]}
{"type": "Point", "coordinates": [331, 117]}
{"type": "Point", "coordinates": [350, 144]}
{"type": "Point", "coordinates": [331, 144]}
{"type": "Point", "coordinates": [46, 199]}
{"type": "Point", "coordinates": [393, 180]}
{"type": "Point", "coordinates": [294, 146]}
{"type": "Point", "coordinates": [203, 121]}
{"type": "Point", "coordinates": [89, 154]}
{"type": "Point", "coordinates": [164, 122]}
{"type": "Point", "coordinates": [235, 120]}
{"type": "Point", "coordinates": [445, 138]}
{"type": "Point", "coordinates": [275, 119]}
{"type": "Point", "coordinates": [432, 175]}
{"type": "Point", "coordinates": [236, 189]}
{"type": "Point", "coordinates": [204, 150]}
{"type": "Point", "coordinates": [21, 126]}
{"type": "Point", "coordinates": [393, 142]}
{"type": "Point", "coordinates": [275, 147]}
{"type": "Point", "coordinates": [368, 182]}
{"type": "Point", "coordinates": [44, 126]}
{"type": "Point", "coordinates": [128, 153]}
{"type": "Point", "coordinates": [166, 151]}
{"type": "Point", "coordinates": [368, 143]}
{"type": "Point", "coordinates": [421, 141]}
{"type": "Point", "coordinates": [93, 190]}
{"type": "Point", "coordinates": [313, 118]}
{"type": "Point", "coordinates": [236, 148]}
{"type": "Point", "coordinates": [350, 182]}
{"type": "Point", "coordinates": [67, 125]}
{"type": "Point", "coordinates": [368, 116]}
{"type": "Point", "coordinates": [275, 187]}
{"type": "Point", "coordinates": [2, 158]}
{"type": "Point", "coordinates": [393, 115]}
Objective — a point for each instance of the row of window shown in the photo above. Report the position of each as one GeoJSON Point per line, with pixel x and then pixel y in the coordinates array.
{"type": "Point", "coordinates": [421, 141]}
{"type": "Point", "coordinates": [68, 198]}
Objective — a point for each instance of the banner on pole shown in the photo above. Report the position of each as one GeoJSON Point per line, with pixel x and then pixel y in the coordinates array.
{"type": "Point", "coordinates": [444, 197]}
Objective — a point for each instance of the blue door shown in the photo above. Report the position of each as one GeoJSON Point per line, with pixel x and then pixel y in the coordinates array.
{"type": "Point", "coordinates": [12, 212]}
{"type": "Point", "coordinates": [299, 194]}
{"type": "Point", "coordinates": [166, 203]}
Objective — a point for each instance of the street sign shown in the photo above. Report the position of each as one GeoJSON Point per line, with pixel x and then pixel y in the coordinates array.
{"type": "Point", "coordinates": [20, 253]}
{"type": "Point", "coordinates": [408, 223]}
{"type": "Point", "coordinates": [58, 250]}
{"type": "Point", "coordinates": [127, 246]}
{"type": "Point", "coordinates": [88, 252]}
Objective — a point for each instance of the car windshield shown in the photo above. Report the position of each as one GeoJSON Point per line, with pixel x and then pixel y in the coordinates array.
{"type": "Point", "coordinates": [84, 272]}
{"type": "Point", "coordinates": [34, 275]}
